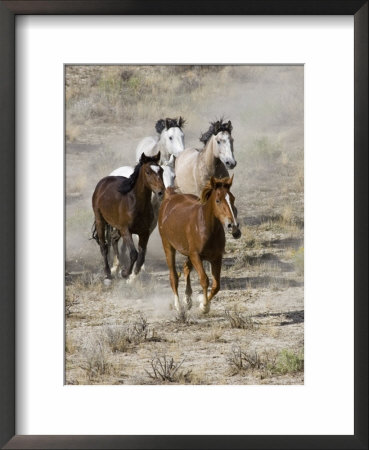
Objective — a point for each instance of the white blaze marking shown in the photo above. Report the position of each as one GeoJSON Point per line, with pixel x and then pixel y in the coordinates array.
{"type": "Point", "coordinates": [230, 207]}
{"type": "Point", "coordinates": [155, 168]}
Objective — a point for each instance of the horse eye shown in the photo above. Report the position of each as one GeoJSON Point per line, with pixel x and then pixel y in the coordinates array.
{"type": "Point", "coordinates": [218, 142]}
{"type": "Point", "coordinates": [171, 138]}
{"type": "Point", "coordinates": [217, 201]}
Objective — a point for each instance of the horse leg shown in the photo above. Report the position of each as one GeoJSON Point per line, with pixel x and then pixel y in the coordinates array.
{"type": "Point", "coordinates": [115, 236]}
{"type": "Point", "coordinates": [216, 266]}
{"type": "Point", "coordinates": [127, 237]}
{"type": "Point", "coordinates": [170, 254]}
{"type": "Point", "coordinates": [204, 281]}
{"type": "Point", "coordinates": [142, 245]}
{"type": "Point", "coordinates": [104, 248]}
{"type": "Point", "coordinates": [188, 292]}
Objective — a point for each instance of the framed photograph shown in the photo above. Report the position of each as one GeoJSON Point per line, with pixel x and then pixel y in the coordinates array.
{"type": "Point", "coordinates": [185, 231]}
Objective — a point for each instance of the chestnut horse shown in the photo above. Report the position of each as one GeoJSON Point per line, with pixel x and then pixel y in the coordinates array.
{"type": "Point", "coordinates": [125, 204]}
{"type": "Point", "coordinates": [195, 228]}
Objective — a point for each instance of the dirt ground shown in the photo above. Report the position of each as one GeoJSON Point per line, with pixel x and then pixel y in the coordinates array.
{"type": "Point", "coordinates": [254, 333]}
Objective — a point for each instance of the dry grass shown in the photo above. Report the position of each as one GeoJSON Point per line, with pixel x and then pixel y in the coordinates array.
{"type": "Point", "coordinates": [96, 358]}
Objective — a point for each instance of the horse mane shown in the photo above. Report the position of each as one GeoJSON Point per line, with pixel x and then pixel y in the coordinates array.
{"type": "Point", "coordinates": [215, 128]}
{"type": "Point", "coordinates": [127, 184]}
{"type": "Point", "coordinates": [169, 123]}
{"type": "Point", "coordinates": [212, 184]}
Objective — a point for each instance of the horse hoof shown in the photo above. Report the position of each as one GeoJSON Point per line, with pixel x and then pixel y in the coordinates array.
{"type": "Point", "coordinates": [124, 274]}
{"type": "Point", "coordinates": [187, 301]}
{"type": "Point", "coordinates": [131, 278]}
{"type": "Point", "coordinates": [204, 308]}
{"type": "Point", "coordinates": [107, 281]}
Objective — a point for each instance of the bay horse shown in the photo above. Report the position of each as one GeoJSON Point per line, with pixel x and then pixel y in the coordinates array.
{"type": "Point", "coordinates": [170, 143]}
{"type": "Point", "coordinates": [194, 167]}
{"type": "Point", "coordinates": [125, 204]}
{"type": "Point", "coordinates": [194, 227]}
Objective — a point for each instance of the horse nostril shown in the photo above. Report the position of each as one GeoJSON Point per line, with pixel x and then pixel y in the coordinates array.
{"type": "Point", "coordinates": [229, 226]}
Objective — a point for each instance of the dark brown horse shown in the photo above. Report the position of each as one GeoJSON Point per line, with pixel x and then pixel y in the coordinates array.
{"type": "Point", "coordinates": [195, 228]}
{"type": "Point", "coordinates": [125, 204]}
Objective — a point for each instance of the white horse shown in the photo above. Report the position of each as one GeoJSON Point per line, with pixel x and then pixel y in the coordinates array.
{"type": "Point", "coordinates": [170, 143]}
{"type": "Point", "coordinates": [194, 167]}
{"type": "Point", "coordinates": [167, 166]}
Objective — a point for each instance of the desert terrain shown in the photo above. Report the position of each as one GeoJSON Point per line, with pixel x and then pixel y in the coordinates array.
{"type": "Point", "coordinates": [130, 333]}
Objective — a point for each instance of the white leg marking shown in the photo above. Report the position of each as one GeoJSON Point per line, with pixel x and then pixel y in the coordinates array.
{"type": "Point", "coordinates": [204, 308]}
{"type": "Point", "coordinates": [187, 301]}
{"type": "Point", "coordinates": [176, 303]}
{"type": "Point", "coordinates": [131, 278]}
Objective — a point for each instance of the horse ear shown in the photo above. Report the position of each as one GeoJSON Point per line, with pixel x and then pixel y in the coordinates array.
{"type": "Point", "coordinates": [159, 126]}
{"type": "Point", "coordinates": [156, 158]}
{"type": "Point", "coordinates": [216, 127]}
{"type": "Point", "coordinates": [230, 128]}
{"type": "Point", "coordinates": [231, 181]}
{"type": "Point", "coordinates": [213, 182]}
{"type": "Point", "coordinates": [168, 124]}
{"type": "Point", "coordinates": [143, 158]}
{"type": "Point", "coordinates": [181, 122]}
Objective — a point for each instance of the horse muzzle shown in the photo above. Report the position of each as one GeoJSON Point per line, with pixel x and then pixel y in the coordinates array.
{"type": "Point", "coordinates": [231, 164]}
{"type": "Point", "coordinates": [234, 229]}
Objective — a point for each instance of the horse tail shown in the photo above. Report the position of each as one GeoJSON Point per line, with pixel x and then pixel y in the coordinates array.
{"type": "Point", "coordinates": [94, 233]}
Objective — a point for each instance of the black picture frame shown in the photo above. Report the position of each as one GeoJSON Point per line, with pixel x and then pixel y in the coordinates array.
{"type": "Point", "coordinates": [8, 12]}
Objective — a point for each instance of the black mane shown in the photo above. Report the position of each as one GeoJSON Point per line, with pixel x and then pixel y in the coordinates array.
{"type": "Point", "coordinates": [127, 184]}
{"type": "Point", "coordinates": [161, 124]}
{"type": "Point", "coordinates": [215, 128]}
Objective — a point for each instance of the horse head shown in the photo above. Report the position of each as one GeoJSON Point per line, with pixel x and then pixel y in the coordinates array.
{"type": "Point", "coordinates": [153, 174]}
{"type": "Point", "coordinates": [218, 192]}
{"type": "Point", "coordinates": [171, 134]}
{"type": "Point", "coordinates": [219, 133]}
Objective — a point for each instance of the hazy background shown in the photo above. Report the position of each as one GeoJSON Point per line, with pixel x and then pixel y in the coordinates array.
{"type": "Point", "coordinates": [110, 108]}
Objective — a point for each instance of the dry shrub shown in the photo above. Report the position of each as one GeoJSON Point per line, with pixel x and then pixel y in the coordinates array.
{"type": "Point", "coordinates": [266, 363]}
{"type": "Point", "coordinates": [122, 338]}
{"type": "Point", "coordinates": [164, 368]}
{"type": "Point", "coordinates": [117, 338]}
{"type": "Point", "coordinates": [71, 299]}
{"type": "Point", "coordinates": [289, 361]}
{"type": "Point", "coordinates": [239, 320]}
{"type": "Point", "coordinates": [240, 360]}
{"type": "Point", "coordinates": [96, 358]}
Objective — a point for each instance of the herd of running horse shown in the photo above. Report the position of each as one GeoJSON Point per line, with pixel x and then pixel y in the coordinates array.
{"type": "Point", "coordinates": [185, 191]}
